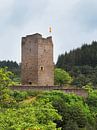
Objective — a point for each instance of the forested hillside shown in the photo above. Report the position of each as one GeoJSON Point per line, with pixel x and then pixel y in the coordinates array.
{"type": "Point", "coordinates": [81, 63]}
{"type": "Point", "coordinates": [13, 66]}
{"type": "Point", "coordinates": [45, 110]}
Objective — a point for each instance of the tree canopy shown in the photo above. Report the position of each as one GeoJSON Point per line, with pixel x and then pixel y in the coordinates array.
{"type": "Point", "coordinates": [51, 110]}
{"type": "Point", "coordinates": [81, 64]}
{"type": "Point", "coordinates": [61, 77]}
{"type": "Point", "coordinates": [85, 55]}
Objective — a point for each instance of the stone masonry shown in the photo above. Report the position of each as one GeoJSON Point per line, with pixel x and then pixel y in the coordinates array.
{"type": "Point", "coordinates": [37, 61]}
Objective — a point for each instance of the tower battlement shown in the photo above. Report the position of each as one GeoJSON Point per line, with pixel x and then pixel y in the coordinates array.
{"type": "Point", "coordinates": [36, 35]}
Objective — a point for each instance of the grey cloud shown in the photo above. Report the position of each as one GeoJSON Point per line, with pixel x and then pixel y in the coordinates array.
{"type": "Point", "coordinates": [24, 11]}
{"type": "Point", "coordinates": [85, 14]}
{"type": "Point", "coordinates": [66, 18]}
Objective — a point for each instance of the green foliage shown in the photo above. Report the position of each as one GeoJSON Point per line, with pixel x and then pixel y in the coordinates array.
{"type": "Point", "coordinates": [61, 77]}
{"type": "Point", "coordinates": [81, 64]}
{"type": "Point", "coordinates": [85, 55]}
{"type": "Point", "coordinates": [91, 100]}
{"type": "Point", "coordinates": [33, 93]}
{"type": "Point", "coordinates": [40, 115]}
{"type": "Point", "coordinates": [16, 79]}
{"type": "Point", "coordinates": [73, 109]}
{"type": "Point", "coordinates": [5, 81]}
{"type": "Point", "coordinates": [5, 78]}
{"type": "Point", "coordinates": [80, 81]}
{"type": "Point", "coordinates": [52, 110]}
{"type": "Point", "coordinates": [19, 95]}
{"type": "Point", "coordinates": [12, 66]}
{"type": "Point", "coordinates": [71, 125]}
{"type": "Point", "coordinates": [88, 87]}
{"type": "Point", "coordinates": [83, 75]}
{"type": "Point", "coordinates": [16, 115]}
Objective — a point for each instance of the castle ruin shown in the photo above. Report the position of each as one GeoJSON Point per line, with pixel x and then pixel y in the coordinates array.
{"type": "Point", "coordinates": [37, 67]}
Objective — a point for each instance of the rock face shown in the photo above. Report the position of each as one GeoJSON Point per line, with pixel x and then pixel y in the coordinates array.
{"type": "Point", "coordinates": [37, 61]}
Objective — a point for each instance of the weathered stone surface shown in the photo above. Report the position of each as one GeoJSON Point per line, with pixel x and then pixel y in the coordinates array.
{"type": "Point", "coordinates": [78, 91]}
{"type": "Point", "coordinates": [37, 60]}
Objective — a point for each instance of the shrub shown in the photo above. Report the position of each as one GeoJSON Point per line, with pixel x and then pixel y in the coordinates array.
{"type": "Point", "coordinates": [19, 95]}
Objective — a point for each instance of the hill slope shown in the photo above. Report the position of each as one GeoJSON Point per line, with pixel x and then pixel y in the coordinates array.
{"type": "Point", "coordinates": [85, 55]}
{"type": "Point", "coordinates": [81, 63]}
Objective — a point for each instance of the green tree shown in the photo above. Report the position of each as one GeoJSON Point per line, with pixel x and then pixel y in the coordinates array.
{"type": "Point", "coordinates": [12, 66]}
{"type": "Point", "coordinates": [5, 78]}
{"type": "Point", "coordinates": [91, 100]}
{"type": "Point", "coordinates": [80, 63]}
{"type": "Point", "coordinates": [39, 115]}
{"type": "Point", "coordinates": [61, 77]}
{"type": "Point", "coordinates": [75, 113]}
{"type": "Point", "coordinates": [5, 92]}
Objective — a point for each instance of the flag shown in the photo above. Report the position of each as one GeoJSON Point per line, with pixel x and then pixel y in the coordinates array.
{"type": "Point", "coordinates": [50, 29]}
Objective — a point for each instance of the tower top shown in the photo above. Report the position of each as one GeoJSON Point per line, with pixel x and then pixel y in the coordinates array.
{"type": "Point", "coordinates": [38, 36]}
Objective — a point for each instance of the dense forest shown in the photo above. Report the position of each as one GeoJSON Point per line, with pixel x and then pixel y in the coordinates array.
{"type": "Point", "coordinates": [50, 110]}
{"type": "Point", "coordinates": [81, 63]}
{"type": "Point", "coordinates": [13, 66]}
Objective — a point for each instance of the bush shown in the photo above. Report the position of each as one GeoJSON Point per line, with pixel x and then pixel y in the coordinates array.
{"type": "Point", "coordinates": [19, 95]}
{"type": "Point", "coordinates": [72, 108]}
{"type": "Point", "coordinates": [33, 93]}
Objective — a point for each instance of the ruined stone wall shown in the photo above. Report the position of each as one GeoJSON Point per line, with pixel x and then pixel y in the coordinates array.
{"type": "Point", "coordinates": [37, 60]}
{"type": "Point", "coordinates": [79, 91]}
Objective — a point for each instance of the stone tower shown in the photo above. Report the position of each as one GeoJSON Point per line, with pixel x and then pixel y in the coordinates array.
{"type": "Point", "coordinates": [37, 61]}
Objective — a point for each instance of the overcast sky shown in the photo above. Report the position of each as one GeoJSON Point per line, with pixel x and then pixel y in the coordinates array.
{"type": "Point", "coordinates": [73, 23]}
